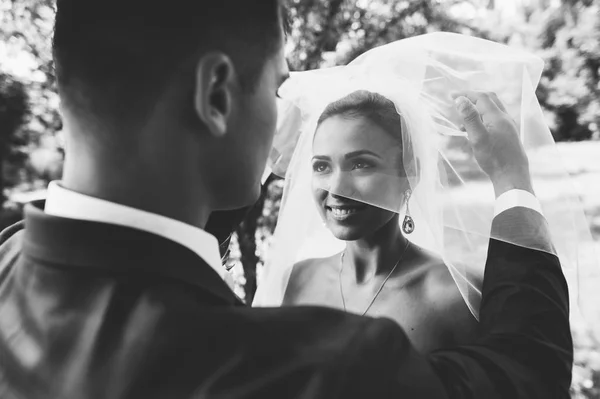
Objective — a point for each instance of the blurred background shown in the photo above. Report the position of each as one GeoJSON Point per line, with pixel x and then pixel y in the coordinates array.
{"type": "Point", "coordinates": [565, 33]}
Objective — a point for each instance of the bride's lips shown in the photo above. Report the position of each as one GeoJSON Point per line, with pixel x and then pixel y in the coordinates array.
{"type": "Point", "coordinates": [344, 212]}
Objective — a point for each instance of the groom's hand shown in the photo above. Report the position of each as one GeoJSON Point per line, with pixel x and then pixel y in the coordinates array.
{"type": "Point", "coordinates": [495, 140]}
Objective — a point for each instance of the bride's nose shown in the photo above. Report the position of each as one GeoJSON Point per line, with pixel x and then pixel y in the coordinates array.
{"type": "Point", "coordinates": [341, 185]}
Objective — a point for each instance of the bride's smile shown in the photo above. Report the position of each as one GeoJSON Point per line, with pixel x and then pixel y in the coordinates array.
{"type": "Point", "coordinates": [344, 212]}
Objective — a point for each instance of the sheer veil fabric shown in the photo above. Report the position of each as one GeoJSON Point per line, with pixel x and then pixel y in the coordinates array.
{"type": "Point", "coordinates": [452, 202]}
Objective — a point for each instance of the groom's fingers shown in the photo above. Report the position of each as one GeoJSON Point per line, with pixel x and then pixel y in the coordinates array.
{"type": "Point", "coordinates": [484, 101]}
{"type": "Point", "coordinates": [497, 101]}
{"type": "Point", "coordinates": [473, 122]}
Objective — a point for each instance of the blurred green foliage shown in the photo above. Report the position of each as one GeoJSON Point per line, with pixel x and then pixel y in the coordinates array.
{"type": "Point", "coordinates": [26, 59]}
{"type": "Point", "coordinates": [570, 88]}
{"type": "Point", "coordinates": [14, 108]}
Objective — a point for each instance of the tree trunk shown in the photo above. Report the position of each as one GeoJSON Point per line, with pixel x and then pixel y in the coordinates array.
{"type": "Point", "coordinates": [327, 35]}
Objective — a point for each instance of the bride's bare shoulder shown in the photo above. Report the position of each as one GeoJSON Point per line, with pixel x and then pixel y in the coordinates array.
{"type": "Point", "coordinates": [309, 268]}
{"type": "Point", "coordinates": [447, 302]}
{"type": "Point", "coordinates": [304, 275]}
{"type": "Point", "coordinates": [437, 276]}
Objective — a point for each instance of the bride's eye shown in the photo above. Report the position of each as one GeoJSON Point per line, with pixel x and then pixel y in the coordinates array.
{"type": "Point", "coordinates": [320, 167]}
{"type": "Point", "coordinates": [360, 165]}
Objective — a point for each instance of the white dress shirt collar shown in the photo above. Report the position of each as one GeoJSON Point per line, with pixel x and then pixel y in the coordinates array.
{"type": "Point", "coordinates": [66, 203]}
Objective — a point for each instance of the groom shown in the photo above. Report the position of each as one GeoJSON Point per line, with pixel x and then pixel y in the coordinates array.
{"type": "Point", "coordinates": [112, 289]}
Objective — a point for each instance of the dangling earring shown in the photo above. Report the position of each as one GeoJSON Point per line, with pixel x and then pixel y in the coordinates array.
{"type": "Point", "coordinates": [408, 226]}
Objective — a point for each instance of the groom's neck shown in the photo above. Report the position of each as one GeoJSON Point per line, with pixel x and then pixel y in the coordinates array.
{"type": "Point", "coordinates": [147, 186]}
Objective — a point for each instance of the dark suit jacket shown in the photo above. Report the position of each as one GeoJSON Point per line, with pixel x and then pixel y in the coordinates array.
{"type": "Point", "coordinates": [92, 310]}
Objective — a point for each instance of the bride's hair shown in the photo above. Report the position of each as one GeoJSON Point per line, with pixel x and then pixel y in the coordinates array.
{"type": "Point", "coordinates": [376, 108]}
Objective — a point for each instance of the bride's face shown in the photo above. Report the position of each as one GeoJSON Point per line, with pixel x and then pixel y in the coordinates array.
{"type": "Point", "coordinates": [357, 177]}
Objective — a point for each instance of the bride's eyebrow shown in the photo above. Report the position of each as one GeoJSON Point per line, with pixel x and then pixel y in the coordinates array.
{"type": "Point", "coordinates": [354, 154]}
{"type": "Point", "coordinates": [321, 158]}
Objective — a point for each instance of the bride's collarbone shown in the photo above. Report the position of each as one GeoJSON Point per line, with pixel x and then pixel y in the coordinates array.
{"type": "Point", "coordinates": [420, 275]}
{"type": "Point", "coordinates": [408, 276]}
{"type": "Point", "coordinates": [420, 288]}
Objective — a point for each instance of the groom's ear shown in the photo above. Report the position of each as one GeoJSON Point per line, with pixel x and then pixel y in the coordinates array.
{"type": "Point", "coordinates": [215, 87]}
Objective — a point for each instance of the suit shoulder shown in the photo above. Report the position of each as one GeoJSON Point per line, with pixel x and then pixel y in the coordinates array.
{"type": "Point", "coordinates": [349, 355]}
{"type": "Point", "coordinates": [315, 326]}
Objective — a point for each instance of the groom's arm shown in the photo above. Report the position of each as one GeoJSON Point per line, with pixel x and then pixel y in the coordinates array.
{"type": "Point", "coordinates": [525, 349]}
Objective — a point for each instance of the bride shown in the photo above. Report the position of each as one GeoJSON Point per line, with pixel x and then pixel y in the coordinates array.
{"type": "Point", "coordinates": [385, 211]}
{"type": "Point", "coordinates": [358, 142]}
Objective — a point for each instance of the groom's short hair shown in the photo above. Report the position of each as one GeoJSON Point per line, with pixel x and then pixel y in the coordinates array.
{"type": "Point", "coordinates": [113, 57]}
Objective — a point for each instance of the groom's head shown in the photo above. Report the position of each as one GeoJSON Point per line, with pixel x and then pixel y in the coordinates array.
{"type": "Point", "coordinates": [186, 84]}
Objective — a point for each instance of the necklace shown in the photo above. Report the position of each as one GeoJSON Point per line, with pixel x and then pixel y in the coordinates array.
{"type": "Point", "coordinates": [382, 284]}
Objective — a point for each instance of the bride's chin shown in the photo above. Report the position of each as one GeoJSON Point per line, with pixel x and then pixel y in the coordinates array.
{"type": "Point", "coordinates": [344, 233]}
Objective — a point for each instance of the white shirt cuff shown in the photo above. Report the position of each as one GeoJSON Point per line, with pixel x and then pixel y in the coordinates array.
{"type": "Point", "coordinates": [517, 198]}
